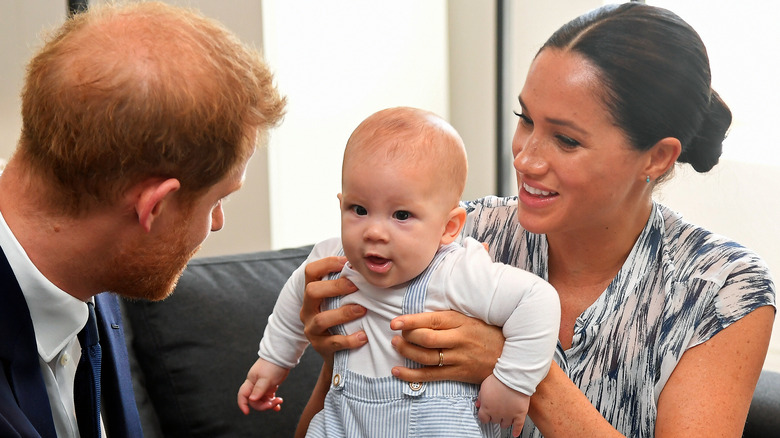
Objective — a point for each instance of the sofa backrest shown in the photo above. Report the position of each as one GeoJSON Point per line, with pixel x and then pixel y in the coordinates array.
{"type": "Point", "coordinates": [193, 349]}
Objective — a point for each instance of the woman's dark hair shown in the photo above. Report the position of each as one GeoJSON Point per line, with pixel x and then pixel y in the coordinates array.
{"type": "Point", "coordinates": [656, 77]}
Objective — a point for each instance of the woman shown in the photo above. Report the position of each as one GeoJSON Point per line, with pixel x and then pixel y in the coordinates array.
{"type": "Point", "coordinates": [664, 326]}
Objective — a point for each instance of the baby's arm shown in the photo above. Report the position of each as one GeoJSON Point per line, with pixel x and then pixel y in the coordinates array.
{"type": "Point", "coordinates": [503, 405]}
{"type": "Point", "coordinates": [528, 309]}
{"type": "Point", "coordinates": [283, 341]}
{"type": "Point", "coordinates": [259, 389]}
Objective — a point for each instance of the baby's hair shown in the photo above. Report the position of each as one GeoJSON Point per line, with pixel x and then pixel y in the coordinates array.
{"type": "Point", "coordinates": [412, 135]}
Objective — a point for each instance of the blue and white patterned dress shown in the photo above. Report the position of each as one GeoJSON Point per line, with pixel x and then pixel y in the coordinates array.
{"type": "Point", "coordinates": [679, 287]}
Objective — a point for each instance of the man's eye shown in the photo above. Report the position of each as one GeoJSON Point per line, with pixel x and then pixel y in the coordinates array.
{"type": "Point", "coordinates": [359, 210]}
{"type": "Point", "coordinates": [402, 215]}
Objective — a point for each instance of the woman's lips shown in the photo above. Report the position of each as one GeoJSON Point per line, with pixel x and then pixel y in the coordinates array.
{"type": "Point", "coordinates": [538, 192]}
{"type": "Point", "coordinates": [535, 197]}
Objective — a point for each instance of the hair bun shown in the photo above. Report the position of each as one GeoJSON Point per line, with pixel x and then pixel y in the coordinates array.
{"type": "Point", "coordinates": [706, 147]}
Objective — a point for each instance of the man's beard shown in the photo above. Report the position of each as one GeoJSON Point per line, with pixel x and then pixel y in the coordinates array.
{"type": "Point", "coordinates": [150, 271]}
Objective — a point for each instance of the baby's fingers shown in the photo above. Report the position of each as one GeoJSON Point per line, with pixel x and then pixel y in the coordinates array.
{"type": "Point", "coordinates": [266, 403]}
{"type": "Point", "coordinates": [259, 391]}
{"type": "Point", "coordinates": [243, 396]}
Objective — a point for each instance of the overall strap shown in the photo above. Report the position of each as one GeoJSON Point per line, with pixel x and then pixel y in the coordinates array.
{"type": "Point", "coordinates": [414, 300]}
{"type": "Point", "coordinates": [340, 357]}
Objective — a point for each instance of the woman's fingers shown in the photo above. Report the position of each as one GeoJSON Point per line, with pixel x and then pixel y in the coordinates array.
{"type": "Point", "coordinates": [325, 343]}
{"type": "Point", "coordinates": [467, 347]}
{"type": "Point", "coordinates": [324, 320]}
{"type": "Point", "coordinates": [443, 320]}
{"type": "Point", "coordinates": [318, 269]}
{"type": "Point", "coordinates": [316, 322]}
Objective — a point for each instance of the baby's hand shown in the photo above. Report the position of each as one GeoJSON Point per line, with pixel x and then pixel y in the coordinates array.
{"type": "Point", "coordinates": [259, 389]}
{"type": "Point", "coordinates": [500, 404]}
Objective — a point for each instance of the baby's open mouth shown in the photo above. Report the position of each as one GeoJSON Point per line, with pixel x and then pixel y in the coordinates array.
{"type": "Point", "coordinates": [378, 264]}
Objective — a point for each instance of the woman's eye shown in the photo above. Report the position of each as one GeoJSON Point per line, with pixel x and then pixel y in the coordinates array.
{"type": "Point", "coordinates": [568, 141]}
{"type": "Point", "coordinates": [402, 215]}
{"type": "Point", "coordinates": [359, 210]}
{"type": "Point", "coordinates": [524, 119]}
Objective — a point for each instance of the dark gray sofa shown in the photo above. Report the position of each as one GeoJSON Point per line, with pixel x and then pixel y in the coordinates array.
{"type": "Point", "coordinates": [191, 352]}
{"type": "Point", "coordinates": [193, 349]}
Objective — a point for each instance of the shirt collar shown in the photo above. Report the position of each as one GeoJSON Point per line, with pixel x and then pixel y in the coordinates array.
{"type": "Point", "coordinates": [57, 316]}
{"type": "Point", "coordinates": [644, 254]}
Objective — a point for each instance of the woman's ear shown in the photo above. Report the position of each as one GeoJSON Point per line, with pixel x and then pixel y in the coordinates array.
{"type": "Point", "coordinates": [150, 200]}
{"type": "Point", "coordinates": [662, 157]}
{"type": "Point", "coordinates": [455, 222]}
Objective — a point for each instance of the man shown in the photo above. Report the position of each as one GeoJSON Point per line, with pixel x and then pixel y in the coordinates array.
{"type": "Point", "coordinates": [137, 121]}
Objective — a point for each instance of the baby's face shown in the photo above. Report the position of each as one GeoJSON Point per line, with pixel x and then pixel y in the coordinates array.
{"type": "Point", "coordinates": [393, 216]}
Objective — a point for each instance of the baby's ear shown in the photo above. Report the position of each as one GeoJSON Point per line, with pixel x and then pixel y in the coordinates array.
{"type": "Point", "coordinates": [455, 222]}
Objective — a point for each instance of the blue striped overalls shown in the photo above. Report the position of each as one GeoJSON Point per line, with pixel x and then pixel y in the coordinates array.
{"type": "Point", "coordinates": [386, 407]}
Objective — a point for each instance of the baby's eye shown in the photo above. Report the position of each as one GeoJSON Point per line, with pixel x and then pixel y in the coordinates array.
{"type": "Point", "coordinates": [359, 210]}
{"type": "Point", "coordinates": [402, 215]}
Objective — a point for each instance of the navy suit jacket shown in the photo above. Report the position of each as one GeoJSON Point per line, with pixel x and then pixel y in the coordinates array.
{"type": "Point", "coordinates": [24, 403]}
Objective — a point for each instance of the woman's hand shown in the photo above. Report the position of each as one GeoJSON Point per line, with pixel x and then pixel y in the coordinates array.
{"type": "Point", "coordinates": [468, 347]}
{"type": "Point", "coordinates": [316, 322]}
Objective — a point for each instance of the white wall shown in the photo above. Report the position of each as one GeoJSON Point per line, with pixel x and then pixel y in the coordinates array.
{"type": "Point", "coordinates": [472, 92]}
{"type": "Point", "coordinates": [20, 24]}
{"type": "Point", "coordinates": [338, 62]}
{"type": "Point", "coordinates": [247, 219]}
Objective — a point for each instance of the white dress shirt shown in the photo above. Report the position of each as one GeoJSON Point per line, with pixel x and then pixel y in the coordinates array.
{"type": "Point", "coordinates": [57, 319]}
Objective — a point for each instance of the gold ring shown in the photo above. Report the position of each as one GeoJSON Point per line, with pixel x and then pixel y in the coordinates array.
{"type": "Point", "coordinates": [441, 358]}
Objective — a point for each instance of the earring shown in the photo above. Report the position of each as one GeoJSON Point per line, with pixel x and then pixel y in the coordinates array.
{"type": "Point", "coordinates": [648, 179]}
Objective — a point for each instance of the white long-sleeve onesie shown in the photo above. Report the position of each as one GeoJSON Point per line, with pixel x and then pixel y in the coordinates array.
{"type": "Point", "coordinates": [467, 280]}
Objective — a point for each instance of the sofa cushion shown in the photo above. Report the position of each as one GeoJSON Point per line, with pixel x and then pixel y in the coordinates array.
{"type": "Point", "coordinates": [764, 417]}
{"type": "Point", "coordinates": [195, 347]}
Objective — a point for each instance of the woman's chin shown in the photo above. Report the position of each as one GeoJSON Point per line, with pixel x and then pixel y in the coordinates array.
{"type": "Point", "coordinates": [532, 223]}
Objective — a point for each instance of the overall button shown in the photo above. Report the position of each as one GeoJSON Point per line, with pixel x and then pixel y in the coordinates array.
{"type": "Point", "coordinates": [415, 386]}
{"type": "Point", "coordinates": [336, 379]}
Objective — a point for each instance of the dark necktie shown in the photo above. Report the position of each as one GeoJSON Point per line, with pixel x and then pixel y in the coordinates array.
{"type": "Point", "coordinates": [86, 387]}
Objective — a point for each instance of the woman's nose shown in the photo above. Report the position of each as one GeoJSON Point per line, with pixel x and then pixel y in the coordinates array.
{"type": "Point", "coordinates": [528, 156]}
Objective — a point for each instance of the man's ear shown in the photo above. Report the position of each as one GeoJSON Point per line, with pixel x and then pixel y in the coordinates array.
{"type": "Point", "coordinates": [149, 202]}
{"type": "Point", "coordinates": [662, 157]}
{"type": "Point", "coordinates": [455, 222]}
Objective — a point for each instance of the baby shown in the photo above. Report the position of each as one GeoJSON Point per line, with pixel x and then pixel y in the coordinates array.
{"type": "Point", "coordinates": [403, 175]}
